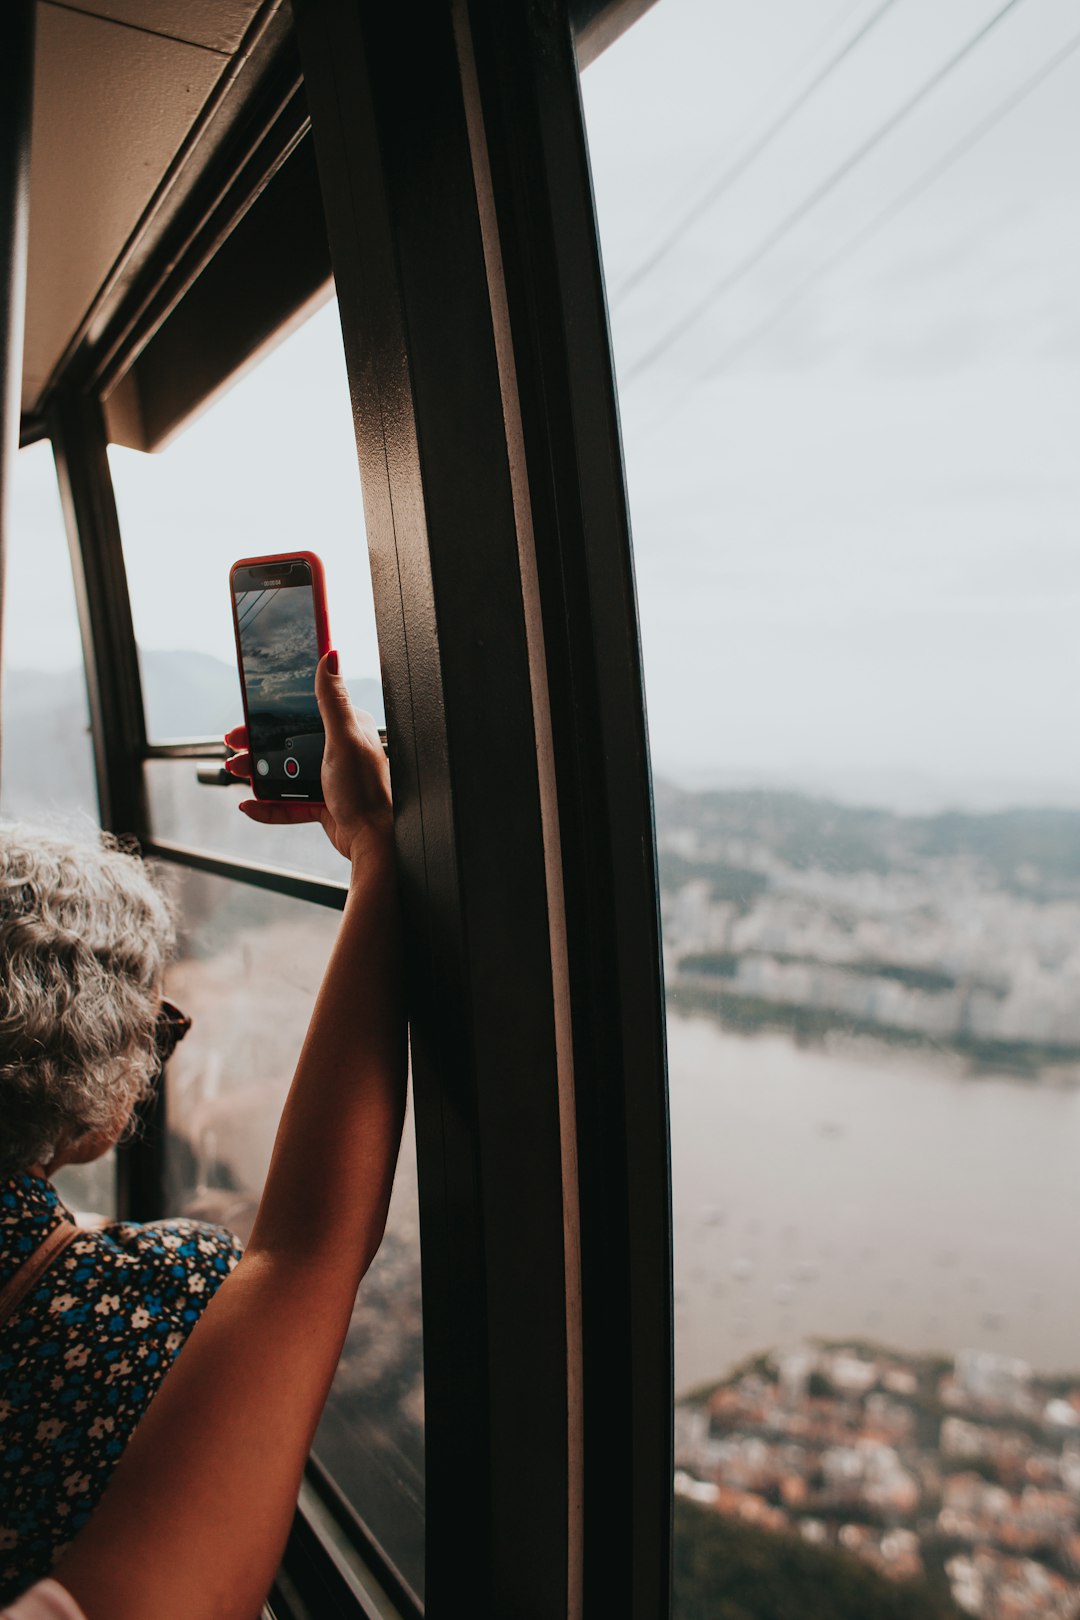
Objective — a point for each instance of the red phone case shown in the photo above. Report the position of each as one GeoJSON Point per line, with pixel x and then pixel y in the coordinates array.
{"type": "Point", "coordinates": [322, 628]}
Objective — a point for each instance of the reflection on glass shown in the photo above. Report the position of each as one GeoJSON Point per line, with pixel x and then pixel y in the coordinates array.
{"type": "Point", "coordinates": [836, 242]}
{"type": "Point", "coordinates": [269, 468]}
{"type": "Point", "coordinates": [48, 763]}
{"type": "Point", "coordinates": [249, 967]}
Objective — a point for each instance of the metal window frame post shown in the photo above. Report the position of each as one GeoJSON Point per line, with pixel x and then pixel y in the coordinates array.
{"type": "Point", "coordinates": [16, 116]}
{"type": "Point", "coordinates": [114, 690]}
{"type": "Point", "coordinates": [455, 181]}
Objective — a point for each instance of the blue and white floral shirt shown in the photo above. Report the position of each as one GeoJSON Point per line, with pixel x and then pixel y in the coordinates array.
{"type": "Point", "coordinates": [81, 1359]}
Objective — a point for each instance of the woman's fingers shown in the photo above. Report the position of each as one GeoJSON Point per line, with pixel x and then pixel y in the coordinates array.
{"type": "Point", "coordinates": [281, 815]}
{"type": "Point", "coordinates": [332, 694]}
{"type": "Point", "coordinates": [238, 763]}
{"type": "Point", "coordinates": [343, 723]}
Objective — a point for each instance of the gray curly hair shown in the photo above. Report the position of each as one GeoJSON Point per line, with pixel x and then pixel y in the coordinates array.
{"type": "Point", "coordinates": [85, 934]}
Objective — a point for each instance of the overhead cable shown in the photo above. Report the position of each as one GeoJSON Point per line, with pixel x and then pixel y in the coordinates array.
{"type": "Point", "coordinates": [249, 605]}
{"type": "Point", "coordinates": [731, 278]}
{"type": "Point", "coordinates": [246, 624]}
{"type": "Point", "coordinates": [745, 160]}
{"type": "Point", "coordinates": [899, 203]}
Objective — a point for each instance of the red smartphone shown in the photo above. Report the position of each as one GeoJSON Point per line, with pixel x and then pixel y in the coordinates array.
{"type": "Point", "coordinates": [282, 630]}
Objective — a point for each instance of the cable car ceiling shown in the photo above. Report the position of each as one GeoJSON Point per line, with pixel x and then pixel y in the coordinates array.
{"type": "Point", "coordinates": [123, 89]}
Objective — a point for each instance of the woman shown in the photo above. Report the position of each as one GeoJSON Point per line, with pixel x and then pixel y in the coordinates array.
{"type": "Point", "coordinates": [193, 1523]}
{"type": "Point", "coordinates": [84, 939]}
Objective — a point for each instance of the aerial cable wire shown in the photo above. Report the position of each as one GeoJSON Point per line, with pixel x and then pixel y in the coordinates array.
{"type": "Point", "coordinates": [255, 597]}
{"type": "Point", "coordinates": [248, 622]}
{"type": "Point", "coordinates": [244, 617]}
{"type": "Point", "coordinates": [822, 38]}
{"type": "Point", "coordinates": [909, 195]}
{"type": "Point", "coordinates": [252, 612]}
{"type": "Point", "coordinates": [746, 159]}
{"type": "Point", "coordinates": [261, 609]}
{"type": "Point", "coordinates": [732, 277]}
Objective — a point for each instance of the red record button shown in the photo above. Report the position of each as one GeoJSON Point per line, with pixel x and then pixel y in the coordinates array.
{"type": "Point", "coordinates": [292, 767]}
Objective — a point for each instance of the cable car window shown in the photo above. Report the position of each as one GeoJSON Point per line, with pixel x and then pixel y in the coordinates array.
{"type": "Point", "coordinates": [47, 771]}
{"type": "Point", "coordinates": [48, 760]}
{"type": "Point", "coordinates": [840, 247]}
{"type": "Point", "coordinates": [183, 810]}
{"type": "Point", "coordinates": [248, 969]}
{"type": "Point", "coordinates": [269, 467]}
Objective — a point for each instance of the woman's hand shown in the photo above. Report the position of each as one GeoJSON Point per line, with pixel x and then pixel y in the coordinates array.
{"type": "Point", "coordinates": [357, 813]}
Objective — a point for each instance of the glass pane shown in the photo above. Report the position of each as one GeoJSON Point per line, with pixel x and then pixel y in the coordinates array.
{"type": "Point", "coordinates": [840, 244]}
{"type": "Point", "coordinates": [184, 810]}
{"type": "Point", "coordinates": [48, 757]}
{"type": "Point", "coordinates": [249, 966]}
{"type": "Point", "coordinates": [270, 467]}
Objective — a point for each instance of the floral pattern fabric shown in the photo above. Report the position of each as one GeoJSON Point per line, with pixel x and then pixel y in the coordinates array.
{"type": "Point", "coordinates": [81, 1358]}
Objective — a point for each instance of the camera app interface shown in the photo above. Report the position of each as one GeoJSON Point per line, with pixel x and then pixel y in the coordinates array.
{"type": "Point", "coordinates": [279, 650]}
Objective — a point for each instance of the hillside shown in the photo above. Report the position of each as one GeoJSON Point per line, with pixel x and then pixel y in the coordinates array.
{"type": "Point", "coordinates": [48, 760]}
{"type": "Point", "coordinates": [1028, 851]}
{"type": "Point", "coordinates": [730, 1571]}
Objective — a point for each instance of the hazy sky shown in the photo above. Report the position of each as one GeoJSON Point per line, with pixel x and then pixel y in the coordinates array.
{"type": "Point", "coordinates": [855, 522]}
{"type": "Point", "coordinates": [856, 541]}
{"type": "Point", "coordinates": [270, 467]}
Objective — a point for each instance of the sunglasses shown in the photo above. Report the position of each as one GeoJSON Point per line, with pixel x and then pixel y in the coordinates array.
{"type": "Point", "coordinates": [171, 1027]}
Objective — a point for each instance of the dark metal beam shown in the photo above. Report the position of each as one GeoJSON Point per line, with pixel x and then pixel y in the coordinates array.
{"type": "Point", "coordinates": [536, 197]}
{"type": "Point", "coordinates": [295, 885]}
{"type": "Point", "coordinates": [114, 690]}
{"type": "Point", "coordinates": [114, 684]}
{"type": "Point", "coordinates": [16, 112]}
{"type": "Point", "coordinates": [598, 24]}
{"type": "Point", "coordinates": [396, 170]}
{"type": "Point", "coordinates": [32, 430]}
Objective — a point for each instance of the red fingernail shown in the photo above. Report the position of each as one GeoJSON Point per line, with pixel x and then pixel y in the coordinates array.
{"type": "Point", "coordinates": [332, 662]}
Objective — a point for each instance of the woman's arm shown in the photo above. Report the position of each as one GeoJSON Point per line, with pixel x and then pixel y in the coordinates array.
{"type": "Point", "coordinates": [194, 1520]}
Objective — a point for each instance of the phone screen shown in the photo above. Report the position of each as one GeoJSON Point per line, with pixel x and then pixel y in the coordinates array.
{"type": "Point", "coordinates": [278, 641]}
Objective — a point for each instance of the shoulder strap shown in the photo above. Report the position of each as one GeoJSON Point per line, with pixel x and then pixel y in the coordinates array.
{"type": "Point", "coordinates": [33, 1268]}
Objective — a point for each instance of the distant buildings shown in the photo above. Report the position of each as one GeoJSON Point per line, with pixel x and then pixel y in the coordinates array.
{"type": "Point", "coordinates": [936, 949]}
{"type": "Point", "coordinates": [969, 1468]}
